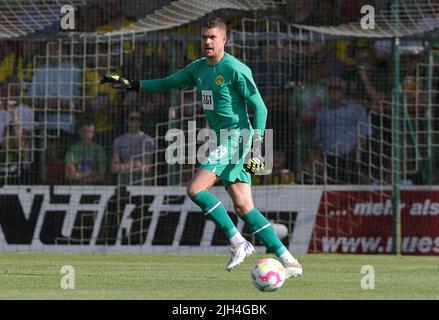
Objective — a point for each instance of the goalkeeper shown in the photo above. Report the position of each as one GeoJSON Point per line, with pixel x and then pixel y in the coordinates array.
{"type": "Point", "coordinates": [226, 86]}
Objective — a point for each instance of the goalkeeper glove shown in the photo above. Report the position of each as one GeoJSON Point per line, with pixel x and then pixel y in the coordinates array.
{"type": "Point", "coordinates": [256, 161]}
{"type": "Point", "coordinates": [118, 82]}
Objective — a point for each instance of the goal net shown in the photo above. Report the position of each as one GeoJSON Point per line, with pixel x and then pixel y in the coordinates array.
{"type": "Point", "coordinates": [333, 106]}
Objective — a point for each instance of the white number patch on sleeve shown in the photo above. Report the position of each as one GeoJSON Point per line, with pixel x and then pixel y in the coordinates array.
{"type": "Point", "coordinates": [207, 99]}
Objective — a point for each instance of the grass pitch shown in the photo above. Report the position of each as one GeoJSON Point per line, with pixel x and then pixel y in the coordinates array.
{"type": "Point", "coordinates": [202, 277]}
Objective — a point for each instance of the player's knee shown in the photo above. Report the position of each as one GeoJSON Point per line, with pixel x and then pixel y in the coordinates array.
{"type": "Point", "coordinates": [192, 190]}
{"type": "Point", "coordinates": [242, 208]}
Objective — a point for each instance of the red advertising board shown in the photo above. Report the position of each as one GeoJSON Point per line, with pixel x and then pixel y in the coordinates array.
{"type": "Point", "coordinates": [362, 222]}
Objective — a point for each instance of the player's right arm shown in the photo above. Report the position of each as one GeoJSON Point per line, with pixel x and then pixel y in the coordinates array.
{"type": "Point", "coordinates": [182, 79]}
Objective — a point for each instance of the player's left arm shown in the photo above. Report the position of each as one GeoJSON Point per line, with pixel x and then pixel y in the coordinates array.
{"type": "Point", "coordinates": [182, 79]}
{"type": "Point", "coordinates": [248, 89]}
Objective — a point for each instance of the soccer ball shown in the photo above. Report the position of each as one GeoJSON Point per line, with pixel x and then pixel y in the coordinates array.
{"type": "Point", "coordinates": [268, 275]}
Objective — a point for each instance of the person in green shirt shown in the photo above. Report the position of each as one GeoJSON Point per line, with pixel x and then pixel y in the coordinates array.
{"type": "Point", "coordinates": [86, 161]}
{"type": "Point", "coordinates": [226, 87]}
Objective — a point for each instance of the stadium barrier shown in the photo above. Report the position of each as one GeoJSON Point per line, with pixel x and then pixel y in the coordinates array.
{"type": "Point", "coordinates": [341, 219]}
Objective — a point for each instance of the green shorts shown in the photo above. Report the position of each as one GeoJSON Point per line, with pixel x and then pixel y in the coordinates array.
{"type": "Point", "coordinates": [227, 160]}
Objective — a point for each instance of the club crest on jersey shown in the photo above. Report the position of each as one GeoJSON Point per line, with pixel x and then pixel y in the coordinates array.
{"type": "Point", "coordinates": [219, 80]}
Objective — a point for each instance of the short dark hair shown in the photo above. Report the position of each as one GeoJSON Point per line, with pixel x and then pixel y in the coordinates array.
{"type": "Point", "coordinates": [215, 22]}
{"type": "Point", "coordinates": [86, 121]}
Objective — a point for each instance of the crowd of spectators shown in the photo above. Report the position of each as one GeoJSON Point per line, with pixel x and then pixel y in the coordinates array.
{"type": "Point", "coordinates": [323, 104]}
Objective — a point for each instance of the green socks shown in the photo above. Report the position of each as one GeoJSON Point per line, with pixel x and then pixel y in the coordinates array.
{"type": "Point", "coordinates": [261, 228]}
{"type": "Point", "coordinates": [215, 211]}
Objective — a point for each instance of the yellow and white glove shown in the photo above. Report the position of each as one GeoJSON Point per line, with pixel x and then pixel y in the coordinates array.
{"type": "Point", "coordinates": [118, 82]}
{"type": "Point", "coordinates": [256, 161]}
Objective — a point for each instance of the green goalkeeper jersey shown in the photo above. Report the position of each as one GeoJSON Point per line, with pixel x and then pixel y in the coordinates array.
{"type": "Point", "coordinates": [225, 89]}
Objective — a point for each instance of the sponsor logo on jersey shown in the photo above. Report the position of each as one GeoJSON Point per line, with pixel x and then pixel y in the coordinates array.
{"type": "Point", "coordinates": [219, 80]}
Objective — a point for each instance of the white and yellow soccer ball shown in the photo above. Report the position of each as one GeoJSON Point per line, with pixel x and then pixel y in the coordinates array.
{"type": "Point", "coordinates": [268, 275]}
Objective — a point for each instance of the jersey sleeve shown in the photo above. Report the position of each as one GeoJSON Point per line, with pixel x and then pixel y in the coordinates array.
{"type": "Point", "coordinates": [247, 88]}
{"type": "Point", "coordinates": [182, 79]}
{"type": "Point", "coordinates": [70, 157]}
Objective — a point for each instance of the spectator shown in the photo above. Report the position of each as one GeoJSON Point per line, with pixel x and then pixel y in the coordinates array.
{"type": "Point", "coordinates": [11, 147]}
{"type": "Point", "coordinates": [341, 129]}
{"type": "Point", "coordinates": [9, 109]}
{"type": "Point", "coordinates": [59, 77]}
{"type": "Point", "coordinates": [55, 85]}
{"type": "Point", "coordinates": [86, 161]}
{"type": "Point", "coordinates": [307, 100]}
{"type": "Point", "coordinates": [11, 93]}
{"type": "Point", "coordinates": [55, 169]}
{"type": "Point", "coordinates": [9, 60]}
{"type": "Point", "coordinates": [132, 153]}
{"type": "Point", "coordinates": [368, 81]}
{"type": "Point", "coordinates": [16, 61]}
